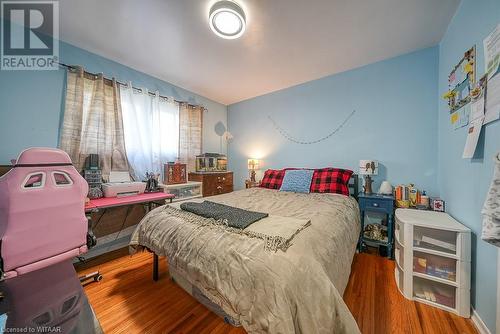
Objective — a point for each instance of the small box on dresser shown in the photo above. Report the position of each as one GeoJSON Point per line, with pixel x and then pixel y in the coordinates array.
{"type": "Point", "coordinates": [174, 173]}
{"type": "Point", "coordinates": [432, 254]}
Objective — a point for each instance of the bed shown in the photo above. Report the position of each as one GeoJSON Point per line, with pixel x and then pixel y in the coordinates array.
{"type": "Point", "coordinates": [297, 289]}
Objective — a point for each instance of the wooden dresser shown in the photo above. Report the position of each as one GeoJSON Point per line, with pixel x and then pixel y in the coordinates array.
{"type": "Point", "coordinates": [214, 183]}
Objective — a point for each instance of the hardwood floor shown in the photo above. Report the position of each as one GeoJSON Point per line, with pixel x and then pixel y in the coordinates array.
{"type": "Point", "coordinates": [128, 301]}
{"type": "Point", "coordinates": [378, 307]}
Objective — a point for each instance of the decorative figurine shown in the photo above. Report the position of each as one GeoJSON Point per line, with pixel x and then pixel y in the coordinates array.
{"type": "Point", "coordinates": [152, 182]}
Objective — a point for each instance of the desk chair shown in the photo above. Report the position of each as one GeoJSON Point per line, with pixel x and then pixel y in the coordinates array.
{"type": "Point", "coordinates": [42, 219]}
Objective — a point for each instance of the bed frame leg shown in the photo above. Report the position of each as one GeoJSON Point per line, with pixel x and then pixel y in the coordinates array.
{"type": "Point", "coordinates": [155, 267]}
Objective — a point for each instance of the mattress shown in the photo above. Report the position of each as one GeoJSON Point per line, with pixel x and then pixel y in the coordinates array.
{"type": "Point", "coordinates": [294, 291]}
{"type": "Point", "coordinates": [194, 291]}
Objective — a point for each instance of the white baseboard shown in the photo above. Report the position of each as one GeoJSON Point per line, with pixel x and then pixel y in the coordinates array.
{"type": "Point", "coordinates": [479, 323]}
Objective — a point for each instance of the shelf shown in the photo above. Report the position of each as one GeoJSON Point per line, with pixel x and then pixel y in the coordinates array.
{"type": "Point", "coordinates": [375, 242]}
{"type": "Point", "coordinates": [435, 279]}
{"type": "Point", "coordinates": [442, 294]}
{"type": "Point", "coordinates": [435, 252]}
{"type": "Point", "coordinates": [431, 303]}
{"type": "Point", "coordinates": [439, 272]}
{"type": "Point", "coordinates": [430, 219]}
{"type": "Point", "coordinates": [435, 239]}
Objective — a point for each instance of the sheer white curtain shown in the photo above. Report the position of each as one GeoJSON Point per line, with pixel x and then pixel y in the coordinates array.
{"type": "Point", "coordinates": [151, 128]}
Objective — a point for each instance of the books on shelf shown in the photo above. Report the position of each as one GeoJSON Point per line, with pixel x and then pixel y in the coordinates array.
{"type": "Point", "coordinates": [435, 267]}
{"type": "Point", "coordinates": [435, 294]}
{"type": "Point", "coordinates": [444, 273]}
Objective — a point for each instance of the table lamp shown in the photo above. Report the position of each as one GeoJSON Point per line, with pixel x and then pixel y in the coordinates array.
{"type": "Point", "coordinates": [368, 168]}
{"type": "Point", "coordinates": [253, 165]}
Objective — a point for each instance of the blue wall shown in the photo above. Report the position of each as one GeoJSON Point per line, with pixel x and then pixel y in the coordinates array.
{"type": "Point", "coordinates": [400, 120]}
{"type": "Point", "coordinates": [31, 102]}
{"type": "Point", "coordinates": [395, 122]}
{"type": "Point", "coordinates": [463, 183]}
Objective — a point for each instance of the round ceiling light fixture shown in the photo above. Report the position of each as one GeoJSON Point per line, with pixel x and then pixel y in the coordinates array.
{"type": "Point", "coordinates": [227, 19]}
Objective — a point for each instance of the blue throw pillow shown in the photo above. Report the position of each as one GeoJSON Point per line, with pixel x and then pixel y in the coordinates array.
{"type": "Point", "coordinates": [298, 181]}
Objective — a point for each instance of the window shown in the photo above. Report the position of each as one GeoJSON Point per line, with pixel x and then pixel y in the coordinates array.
{"type": "Point", "coordinates": [151, 130]}
{"type": "Point", "coordinates": [129, 129]}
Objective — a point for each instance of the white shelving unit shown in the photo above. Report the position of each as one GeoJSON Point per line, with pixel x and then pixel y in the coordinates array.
{"type": "Point", "coordinates": [184, 191]}
{"type": "Point", "coordinates": [432, 253]}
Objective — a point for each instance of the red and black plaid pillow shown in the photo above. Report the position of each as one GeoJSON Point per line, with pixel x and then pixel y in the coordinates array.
{"type": "Point", "coordinates": [331, 180]}
{"type": "Point", "coordinates": [272, 178]}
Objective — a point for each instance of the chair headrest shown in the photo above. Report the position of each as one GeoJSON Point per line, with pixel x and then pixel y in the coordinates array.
{"type": "Point", "coordinates": [39, 156]}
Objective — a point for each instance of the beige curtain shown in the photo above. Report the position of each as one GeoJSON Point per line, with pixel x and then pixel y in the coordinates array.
{"type": "Point", "coordinates": [190, 134]}
{"type": "Point", "coordinates": [92, 122]}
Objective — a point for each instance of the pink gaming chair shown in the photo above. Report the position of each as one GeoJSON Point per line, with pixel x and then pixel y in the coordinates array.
{"type": "Point", "coordinates": [42, 218]}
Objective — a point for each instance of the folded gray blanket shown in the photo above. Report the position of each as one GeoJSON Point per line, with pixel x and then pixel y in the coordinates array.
{"type": "Point", "coordinates": [231, 216]}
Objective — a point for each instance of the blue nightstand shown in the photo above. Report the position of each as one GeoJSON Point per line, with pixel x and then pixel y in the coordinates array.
{"type": "Point", "coordinates": [382, 204]}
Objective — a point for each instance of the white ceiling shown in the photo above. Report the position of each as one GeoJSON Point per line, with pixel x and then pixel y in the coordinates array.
{"type": "Point", "coordinates": [287, 42]}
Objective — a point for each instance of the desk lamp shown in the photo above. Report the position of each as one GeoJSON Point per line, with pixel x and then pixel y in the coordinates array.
{"type": "Point", "coordinates": [253, 165]}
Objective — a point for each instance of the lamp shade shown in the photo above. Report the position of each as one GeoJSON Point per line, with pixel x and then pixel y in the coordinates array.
{"type": "Point", "coordinates": [253, 164]}
{"type": "Point", "coordinates": [368, 167]}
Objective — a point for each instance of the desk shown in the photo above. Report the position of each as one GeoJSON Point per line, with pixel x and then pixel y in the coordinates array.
{"type": "Point", "coordinates": [104, 203]}
{"type": "Point", "coordinates": [111, 202]}
{"type": "Point", "coordinates": [47, 300]}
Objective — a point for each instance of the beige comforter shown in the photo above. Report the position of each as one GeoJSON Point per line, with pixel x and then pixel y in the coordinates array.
{"type": "Point", "coordinates": [297, 291]}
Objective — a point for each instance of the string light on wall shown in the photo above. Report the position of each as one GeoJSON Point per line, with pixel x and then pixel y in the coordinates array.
{"type": "Point", "coordinates": [285, 134]}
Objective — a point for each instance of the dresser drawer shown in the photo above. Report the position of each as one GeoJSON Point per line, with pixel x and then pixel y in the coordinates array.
{"type": "Point", "coordinates": [223, 188]}
{"type": "Point", "coordinates": [214, 183]}
{"type": "Point", "coordinates": [217, 189]}
{"type": "Point", "coordinates": [225, 179]}
{"type": "Point", "coordinates": [375, 204]}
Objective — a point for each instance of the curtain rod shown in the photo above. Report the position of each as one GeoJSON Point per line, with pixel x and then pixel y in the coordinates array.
{"type": "Point", "coordinates": [72, 67]}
